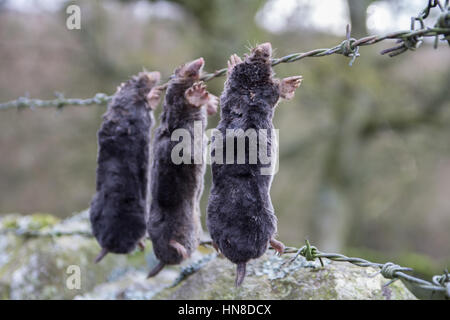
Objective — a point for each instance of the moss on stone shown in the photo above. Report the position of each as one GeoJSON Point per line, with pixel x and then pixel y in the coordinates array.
{"type": "Point", "coordinates": [42, 220]}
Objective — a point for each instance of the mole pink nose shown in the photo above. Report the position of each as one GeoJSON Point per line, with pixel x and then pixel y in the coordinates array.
{"type": "Point", "coordinates": [266, 48]}
{"type": "Point", "coordinates": [196, 65]}
{"type": "Point", "coordinates": [154, 76]}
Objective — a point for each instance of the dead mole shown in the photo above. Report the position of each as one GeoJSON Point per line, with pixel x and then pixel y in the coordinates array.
{"type": "Point", "coordinates": [174, 222]}
{"type": "Point", "coordinates": [118, 211]}
{"type": "Point", "coordinates": [240, 215]}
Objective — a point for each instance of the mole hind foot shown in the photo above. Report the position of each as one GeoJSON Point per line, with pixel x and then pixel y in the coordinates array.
{"type": "Point", "coordinates": [211, 106]}
{"type": "Point", "coordinates": [232, 62]}
{"type": "Point", "coordinates": [179, 248]}
{"type": "Point", "coordinates": [101, 255]}
{"type": "Point", "coordinates": [141, 245]}
{"type": "Point", "coordinates": [154, 96]}
{"type": "Point", "coordinates": [156, 270]}
{"type": "Point", "coordinates": [197, 95]}
{"type": "Point", "coordinates": [278, 246]}
{"type": "Point", "coordinates": [240, 273]}
{"type": "Point", "coordinates": [288, 86]}
{"type": "Point", "coordinates": [216, 247]}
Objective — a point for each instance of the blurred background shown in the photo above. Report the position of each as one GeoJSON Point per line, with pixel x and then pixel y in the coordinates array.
{"type": "Point", "coordinates": [364, 150]}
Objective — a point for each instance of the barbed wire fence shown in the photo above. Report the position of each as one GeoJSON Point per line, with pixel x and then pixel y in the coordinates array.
{"type": "Point", "coordinates": [439, 287]}
{"type": "Point", "coordinates": [406, 40]}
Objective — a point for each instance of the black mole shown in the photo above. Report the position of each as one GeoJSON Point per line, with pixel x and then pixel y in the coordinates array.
{"type": "Point", "coordinates": [241, 217]}
{"type": "Point", "coordinates": [174, 222]}
{"type": "Point", "coordinates": [118, 210]}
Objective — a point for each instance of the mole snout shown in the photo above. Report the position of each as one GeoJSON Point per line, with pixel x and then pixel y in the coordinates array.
{"type": "Point", "coordinates": [262, 52]}
{"type": "Point", "coordinates": [190, 71]}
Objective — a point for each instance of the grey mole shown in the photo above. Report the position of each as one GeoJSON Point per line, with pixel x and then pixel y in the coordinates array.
{"type": "Point", "coordinates": [240, 215]}
{"type": "Point", "coordinates": [118, 210]}
{"type": "Point", "coordinates": [174, 222]}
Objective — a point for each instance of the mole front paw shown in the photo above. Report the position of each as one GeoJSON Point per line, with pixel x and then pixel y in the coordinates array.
{"type": "Point", "coordinates": [197, 94]}
{"type": "Point", "coordinates": [212, 104]}
{"type": "Point", "coordinates": [288, 86]}
{"type": "Point", "coordinates": [154, 96]}
{"type": "Point", "coordinates": [232, 62]}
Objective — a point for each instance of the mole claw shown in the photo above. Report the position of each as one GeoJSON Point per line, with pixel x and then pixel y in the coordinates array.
{"type": "Point", "coordinates": [277, 246]}
{"type": "Point", "coordinates": [153, 97]}
{"type": "Point", "coordinates": [216, 247]}
{"type": "Point", "coordinates": [213, 102]}
{"type": "Point", "coordinates": [101, 255]}
{"type": "Point", "coordinates": [197, 95]}
{"type": "Point", "coordinates": [141, 245]}
{"type": "Point", "coordinates": [233, 61]}
{"type": "Point", "coordinates": [179, 248]}
{"type": "Point", "coordinates": [289, 85]}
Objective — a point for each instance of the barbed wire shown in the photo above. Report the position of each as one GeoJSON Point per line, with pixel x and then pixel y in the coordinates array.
{"type": "Point", "coordinates": [438, 288]}
{"type": "Point", "coordinates": [406, 39]}
{"type": "Point", "coordinates": [27, 233]}
{"type": "Point", "coordinates": [59, 102]}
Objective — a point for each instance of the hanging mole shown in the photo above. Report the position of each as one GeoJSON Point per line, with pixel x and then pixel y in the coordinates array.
{"type": "Point", "coordinates": [240, 215]}
{"type": "Point", "coordinates": [118, 210]}
{"type": "Point", "coordinates": [174, 221]}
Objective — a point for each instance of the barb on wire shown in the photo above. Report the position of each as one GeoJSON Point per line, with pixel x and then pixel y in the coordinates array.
{"type": "Point", "coordinates": [407, 40]}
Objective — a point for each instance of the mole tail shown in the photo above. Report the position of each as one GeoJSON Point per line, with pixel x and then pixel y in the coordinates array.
{"type": "Point", "coordinates": [156, 269]}
{"type": "Point", "coordinates": [101, 255]}
{"type": "Point", "coordinates": [240, 273]}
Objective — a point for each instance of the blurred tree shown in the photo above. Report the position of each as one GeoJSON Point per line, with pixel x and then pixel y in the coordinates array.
{"type": "Point", "coordinates": [224, 24]}
{"type": "Point", "coordinates": [92, 38]}
{"type": "Point", "coordinates": [358, 16]}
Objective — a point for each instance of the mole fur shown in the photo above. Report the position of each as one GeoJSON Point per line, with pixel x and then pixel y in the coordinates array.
{"type": "Point", "coordinates": [118, 212]}
{"type": "Point", "coordinates": [174, 223]}
{"type": "Point", "coordinates": [240, 215]}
